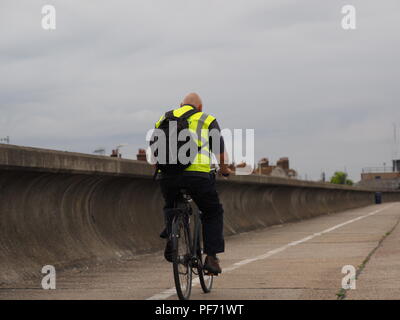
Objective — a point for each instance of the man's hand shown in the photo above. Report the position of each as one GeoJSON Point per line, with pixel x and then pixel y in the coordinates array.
{"type": "Point", "coordinates": [223, 167]}
{"type": "Point", "coordinates": [224, 170]}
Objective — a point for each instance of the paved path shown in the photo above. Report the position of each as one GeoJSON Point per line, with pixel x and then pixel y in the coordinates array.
{"type": "Point", "coordinates": [301, 260]}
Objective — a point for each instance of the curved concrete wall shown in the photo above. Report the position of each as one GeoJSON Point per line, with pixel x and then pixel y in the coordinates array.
{"type": "Point", "coordinates": [68, 209]}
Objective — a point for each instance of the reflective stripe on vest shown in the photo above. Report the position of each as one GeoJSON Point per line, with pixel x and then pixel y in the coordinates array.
{"type": "Point", "coordinates": [199, 124]}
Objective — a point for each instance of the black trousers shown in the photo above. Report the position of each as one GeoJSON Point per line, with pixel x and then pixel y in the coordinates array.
{"type": "Point", "coordinates": [203, 192]}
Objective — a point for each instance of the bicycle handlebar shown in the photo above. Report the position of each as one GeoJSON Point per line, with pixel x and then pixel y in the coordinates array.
{"type": "Point", "coordinates": [214, 172]}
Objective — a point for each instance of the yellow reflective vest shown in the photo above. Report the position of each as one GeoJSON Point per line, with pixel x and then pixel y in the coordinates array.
{"type": "Point", "coordinates": [198, 124]}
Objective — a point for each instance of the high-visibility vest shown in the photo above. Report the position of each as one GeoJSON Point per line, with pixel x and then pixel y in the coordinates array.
{"type": "Point", "coordinates": [199, 124]}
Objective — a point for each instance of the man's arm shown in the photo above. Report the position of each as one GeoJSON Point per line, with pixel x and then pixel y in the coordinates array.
{"type": "Point", "coordinates": [217, 146]}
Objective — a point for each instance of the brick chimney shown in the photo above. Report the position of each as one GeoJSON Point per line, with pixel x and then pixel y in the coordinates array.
{"type": "Point", "coordinates": [114, 153]}
{"type": "Point", "coordinates": [141, 155]}
{"type": "Point", "coordinates": [283, 163]}
{"type": "Point", "coordinates": [264, 162]}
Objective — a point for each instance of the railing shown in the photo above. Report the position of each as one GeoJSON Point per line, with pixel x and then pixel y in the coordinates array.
{"type": "Point", "coordinates": [377, 169]}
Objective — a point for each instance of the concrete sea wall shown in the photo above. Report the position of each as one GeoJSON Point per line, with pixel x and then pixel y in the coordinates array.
{"type": "Point", "coordinates": [70, 209]}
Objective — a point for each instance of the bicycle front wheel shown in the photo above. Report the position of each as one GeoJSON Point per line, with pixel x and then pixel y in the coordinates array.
{"type": "Point", "coordinates": [181, 258]}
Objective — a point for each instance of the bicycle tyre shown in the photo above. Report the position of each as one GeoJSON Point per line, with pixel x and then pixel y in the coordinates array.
{"type": "Point", "coordinates": [181, 258]}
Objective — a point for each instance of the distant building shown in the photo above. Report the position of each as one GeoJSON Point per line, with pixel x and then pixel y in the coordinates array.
{"type": "Point", "coordinates": [115, 154]}
{"type": "Point", "coordinates": [387, 177]}
{"type": "Point", "coordinates": [281, 169]}
{"type": "Point", "coordinates": [141, 155]}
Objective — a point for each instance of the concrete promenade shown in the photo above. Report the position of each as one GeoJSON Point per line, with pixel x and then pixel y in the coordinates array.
{"type": "Point", "coordinates": [300, 260]}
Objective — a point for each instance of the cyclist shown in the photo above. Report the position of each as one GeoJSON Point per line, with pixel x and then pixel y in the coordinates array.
{"type": "Point", "coordinates": [197, 181]}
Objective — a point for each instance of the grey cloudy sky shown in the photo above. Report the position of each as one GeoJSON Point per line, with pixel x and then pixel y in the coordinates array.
{"type": "Point", "coordinates": [325, 97]}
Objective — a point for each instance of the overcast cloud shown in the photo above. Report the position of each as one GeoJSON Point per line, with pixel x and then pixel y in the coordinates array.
{"type": "Point", "coordinates": [325, 97]}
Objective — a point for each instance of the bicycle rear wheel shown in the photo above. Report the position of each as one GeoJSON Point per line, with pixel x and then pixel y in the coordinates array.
{"type": "Point", "coordinates": [181, 258]}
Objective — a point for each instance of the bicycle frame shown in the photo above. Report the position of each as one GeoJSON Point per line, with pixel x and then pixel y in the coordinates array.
{"type": "Point", "coordinates": [196, 237]}
{"type": "Point", "coordinates": [193, 241]}
{"type": "Point", "coordinates": [192, 259]}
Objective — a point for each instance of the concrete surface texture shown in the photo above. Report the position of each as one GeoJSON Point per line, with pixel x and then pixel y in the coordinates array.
{"type": "Point", "coordinates": [77, 211]}
{"type": "Point", "coordinates": [298, 260]}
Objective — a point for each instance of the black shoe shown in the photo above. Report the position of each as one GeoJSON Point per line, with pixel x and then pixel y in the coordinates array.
{"type": "Point", "coordinates": [164, 234]}
{"type": "Point", "coordinates": [211, 265]}
{"type": "Point", "coordinates": [169, 252]}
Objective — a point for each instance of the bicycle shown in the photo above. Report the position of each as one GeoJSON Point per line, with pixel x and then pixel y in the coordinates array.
{"type": "Point", "coordinates": [188, 257]}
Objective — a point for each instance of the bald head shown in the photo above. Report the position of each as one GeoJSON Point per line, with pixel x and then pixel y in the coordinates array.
{"type": "Point", "coordinates": [193, 99]}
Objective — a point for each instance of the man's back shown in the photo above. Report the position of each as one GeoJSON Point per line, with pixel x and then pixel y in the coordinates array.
{"type": "Point", "coordinates": [205, 132]}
